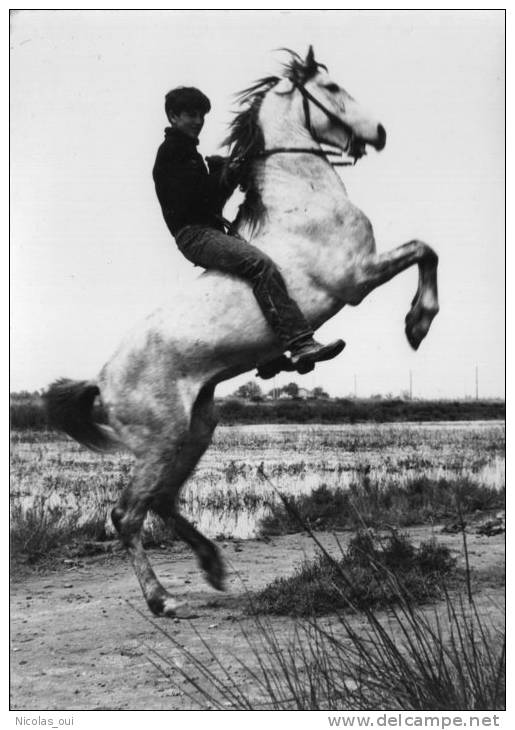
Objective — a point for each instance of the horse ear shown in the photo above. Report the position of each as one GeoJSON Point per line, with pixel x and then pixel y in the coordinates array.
{"type": "Point", "coordinates": [310, 62]}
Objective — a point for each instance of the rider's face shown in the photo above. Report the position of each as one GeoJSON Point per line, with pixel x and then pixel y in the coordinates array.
{"type": "Point", "coordinates": [188, 122]}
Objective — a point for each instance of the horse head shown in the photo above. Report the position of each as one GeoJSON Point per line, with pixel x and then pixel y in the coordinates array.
{"type": "Point", "coordinates": [312, 101]}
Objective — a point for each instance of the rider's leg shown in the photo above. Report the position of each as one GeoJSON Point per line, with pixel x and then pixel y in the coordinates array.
{"type": "Point", "coordinates": [212, 249]}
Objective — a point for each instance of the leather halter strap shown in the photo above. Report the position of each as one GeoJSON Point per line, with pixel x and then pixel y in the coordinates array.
{"type": "Point", "coordinates": [307, 97]}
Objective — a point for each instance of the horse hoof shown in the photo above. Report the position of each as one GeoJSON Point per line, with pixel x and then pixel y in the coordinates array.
{"type": "Point", "coordinates": [418, 321]}
{"type": "Point", "coordinates": [165, 606]}
{"type": "Point", "coordinates": [215, 576]}
{"type": "Point", "coordinates": [213, 568]}
{"type": "Point", "coordinates": [217, 580]}
{"type": "Point", "coordinates": [175, 609]}
{"type": "Point", "coordinates": [413, 341]}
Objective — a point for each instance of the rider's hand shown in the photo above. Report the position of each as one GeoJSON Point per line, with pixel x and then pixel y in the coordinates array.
{"type": "Point", "coordinates": [215, 162]}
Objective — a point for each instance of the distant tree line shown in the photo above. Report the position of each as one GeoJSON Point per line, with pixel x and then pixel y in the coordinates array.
{"type": "Point", "coordinates": [26, 410]}
{"type": "Point", "coordinates": [253, 392]}
{"type": "Point", "coordinates": [352, 410]}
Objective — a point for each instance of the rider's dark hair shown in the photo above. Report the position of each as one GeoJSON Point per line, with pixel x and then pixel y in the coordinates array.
{"type": "Point", "coordinates": [186, 99]}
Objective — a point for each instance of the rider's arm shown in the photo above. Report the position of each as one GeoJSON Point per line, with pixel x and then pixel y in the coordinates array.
{"type": "Point", "coordinates": [184, 186]}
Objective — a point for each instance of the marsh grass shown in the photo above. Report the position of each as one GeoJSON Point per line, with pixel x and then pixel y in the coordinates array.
{"type": "Point", "coordinates": [407, 657]}
{"type": "Point", "coordinates": [418, 501]}
{"type": "Point", "coordinates": [41, 528]}
{"type": "Point", "coordinates": [58, 486]}
{"type": "Point", "coordinates": [449, 657]}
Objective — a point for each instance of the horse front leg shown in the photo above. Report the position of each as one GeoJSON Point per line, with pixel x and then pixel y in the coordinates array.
{"type": "Point", "coordinates": [378, 269]}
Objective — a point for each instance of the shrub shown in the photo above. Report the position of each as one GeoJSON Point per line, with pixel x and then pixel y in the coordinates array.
{"type": "Point", "coordinates": [368, 575]}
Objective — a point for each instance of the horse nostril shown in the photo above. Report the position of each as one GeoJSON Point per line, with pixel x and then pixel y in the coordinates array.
{"type": "Point", "coordinates": [381, 137]}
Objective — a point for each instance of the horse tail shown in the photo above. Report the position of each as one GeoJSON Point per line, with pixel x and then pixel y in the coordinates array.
{"type": "Point", "coordinates": [69, 408]}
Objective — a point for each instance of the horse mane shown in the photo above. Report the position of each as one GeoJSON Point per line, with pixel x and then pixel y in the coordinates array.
{"type": "Point", "coordinates": [246, 143]}
{"type": "Point", "coordinates": [245, 138]}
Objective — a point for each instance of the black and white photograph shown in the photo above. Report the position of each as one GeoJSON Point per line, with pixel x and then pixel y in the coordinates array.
{"type": "Point", "coordinates": [257, 363]}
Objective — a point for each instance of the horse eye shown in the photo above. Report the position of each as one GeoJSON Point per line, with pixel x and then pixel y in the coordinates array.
{"type": "Point", "coordinates": [333, 88]}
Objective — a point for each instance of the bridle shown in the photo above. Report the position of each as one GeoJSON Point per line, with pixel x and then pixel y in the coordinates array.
{"type": "Point", "coordinates": [308, 98]}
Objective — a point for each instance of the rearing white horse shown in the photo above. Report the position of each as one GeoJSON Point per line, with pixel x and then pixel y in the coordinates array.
{"type": "Point", "coordinates": [158, 387]}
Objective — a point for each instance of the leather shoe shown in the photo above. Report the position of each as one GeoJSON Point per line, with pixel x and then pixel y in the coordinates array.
{"type": "Point", "coordinates": [273, 367]}
{"type": "Point", "coordinates": [312, 351]}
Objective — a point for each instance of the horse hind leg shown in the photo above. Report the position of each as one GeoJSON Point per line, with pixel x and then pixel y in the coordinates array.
{"type": "Point", "coordinates": [164, 459]}
{"type": "Point", "coordinates": [155, 485]}
{"type": "Point", "coordinates": [128, 517]}
{"type": "Point", "coordinates": [201, 430]}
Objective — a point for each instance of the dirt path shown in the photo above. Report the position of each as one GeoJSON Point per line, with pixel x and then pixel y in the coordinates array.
{"type": "Point", "coordinates": [78, 643]}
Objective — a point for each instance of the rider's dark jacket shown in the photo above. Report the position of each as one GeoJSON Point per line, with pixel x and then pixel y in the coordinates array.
{"type": "Point", "coordinates": [187, 192]}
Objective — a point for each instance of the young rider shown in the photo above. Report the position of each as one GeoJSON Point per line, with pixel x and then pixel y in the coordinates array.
{"type": "Point", "coordinates": [192, 199]}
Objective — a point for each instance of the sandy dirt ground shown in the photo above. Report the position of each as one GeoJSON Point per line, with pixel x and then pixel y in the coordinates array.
{"type": "Point", "coordinates": [78, 642]}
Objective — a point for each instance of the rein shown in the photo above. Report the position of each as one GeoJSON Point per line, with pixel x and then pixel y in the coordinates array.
{"type": "Point", "coordinates": [306, 98]}
{"type": "Point", "coordinates": [308, 150]}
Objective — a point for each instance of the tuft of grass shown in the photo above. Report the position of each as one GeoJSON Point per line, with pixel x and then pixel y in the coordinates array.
{"type": "Point", "coordinates": [43, 527]}
{"type": "Point", "coordinates": [420, 501]}
{"type": "Point", "coordinates": [370, 574]}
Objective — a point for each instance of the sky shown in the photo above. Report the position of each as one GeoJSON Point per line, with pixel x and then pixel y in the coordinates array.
{"type": "Point", "coordinates": [91, 255]}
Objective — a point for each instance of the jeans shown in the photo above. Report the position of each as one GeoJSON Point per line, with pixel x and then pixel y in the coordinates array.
{"type": "Point", "coordinates": [213, 249]}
